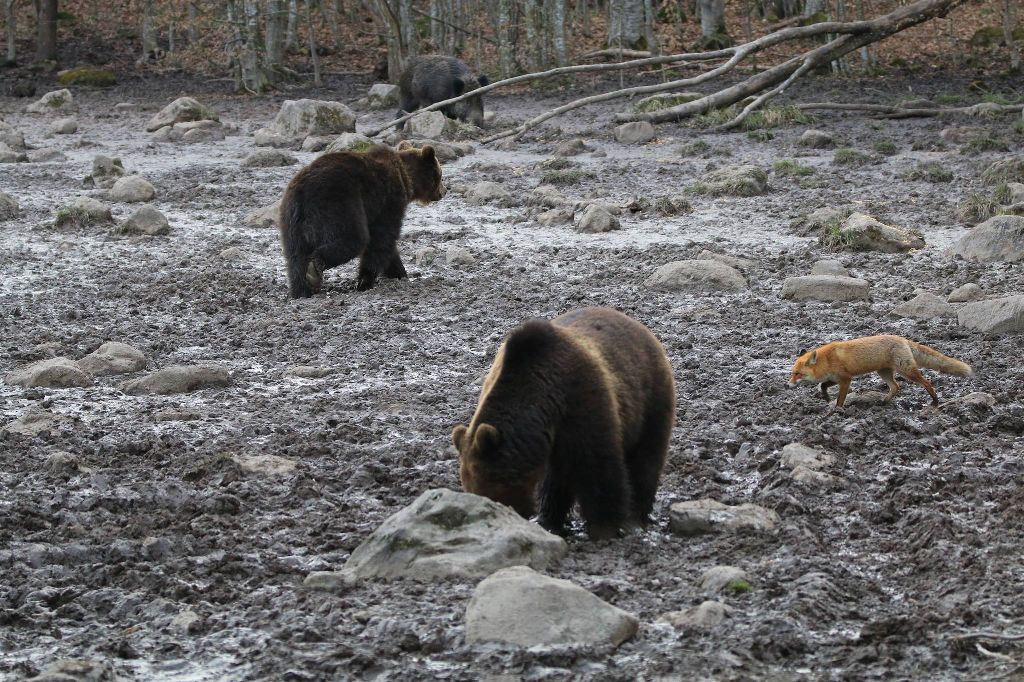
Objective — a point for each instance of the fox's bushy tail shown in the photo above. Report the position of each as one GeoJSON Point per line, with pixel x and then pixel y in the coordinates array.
{"type": "Point", "coordinates": [929, 358]}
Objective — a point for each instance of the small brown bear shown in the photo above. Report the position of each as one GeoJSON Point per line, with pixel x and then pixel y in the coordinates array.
{"type": "Point", "coordinates": [581, 405]}
{"type": "Point", "coordinates": [349, 204]}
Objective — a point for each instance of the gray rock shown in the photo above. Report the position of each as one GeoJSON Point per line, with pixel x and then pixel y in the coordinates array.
{"type": "Point", "coordinates": [8, 155]}
{"type": "Point", "coordinates": [201, 134]}
{"type": "Point", "coordinates": [1016, 192]}
{"type": "Point", "coordinates": [717, 578]}
{"type": "Point", "coordinates": [694, 276]}
{"type": "Point", "coordinates": [966, 293]}
{"type": "Point", "coordinates": [265, 465]}
{"type": "Point", "coordinates": [34, 422]}
{"type": "Point", "coordinates": [56, 102]}
{"type": "Point", "coordinates": [266, 137]}
{"type": "Point", "coordinates": [349, 142]}
{"type": "Point", "coordinates": [298, 119]}
{"type": "Point", "coordinates": [52, 373]}
{"type": "Point", "coordinates": [732, 261]}
{"type": "Point", "coordinates": [126, 108]}
{"type": "Point", "coordinates": [924, 306]}
{"type": "Point", "coordinates": [267, 216]}
{"type": "Point", "coordinates": [548, 196]}
{"type": "Point", "coordinates": [382, 96]}
{"type": "Point", "coordinates": [595, 218]}
{"type": "Point", "coordinates": [522, 607]}
{"type": "Point", "coordinates": [94, 210]}
{"type": "Point", "coordinates": [181, 110]}
{"type": "Point", "coordinates": [132, 189]}
{"type": "Point", "coordinates": [47, 155]}
{"type": "Point", "coordinates": [489, 193]}
{"type": "Point", "coordinates": [9, 207]}
{"type": "Point", "coordinates": [635, 132]}
{"type": "Point", "coordinates": [961, 134]}
{"type": "Point", "coordinates": [188, 622]}
{"type": "Point", "coordinates": [268, 158]}
{"type": "Point", "coordinates": [146, 220]}
{"type": "Point", "coordinates": [977, 399]}
{"type": "Point", "coordinates": [156, 548]}
{"type": "Point", "coordinates": [825, 288]}
{"type": "Point", "coordinates": [14, 139]}
{"type": "Point", "coordinates": [555, 216]}
{"type": "Point", "coordinates": [428, 124]}
{"type": "Point", "coordinates": [816, 139]}
{"type": "Point", "coordinates": [994, 316]}
{"type": "Point", "coordinates": [571, 147]}
{"type": "Point", "coordinates": [811, 477]}
{"type": "Point", "coordinates": [863, 233]}
{"type": "Point", "coordinates": [318, 143]}
{"type": "Point", "coordinates": [704, 616]}
{"type": "Point", "coordinates": [798, 455]}
{"type": "Point", "coordinates": [457, 255]}
{"type": "Point", "coordinates": [61, 463]}
{"type": "Point", "coordinates": [113, 357]}
{"type": "Point", "coordinates": [179, 379]}
{"type": "Point", "coordinates": [1000, 238]}
{"type": "Point", "coordinates": [448, 534]}
{"type": "Point", "coordinates": [425, 255]}
{"type": "Point", "coordinates": [105, 172]}
{"type": "Point", "coordinates": [737, 181]}
{"type": "Point", "coordinates": [710, 516]}
{"type": "Point", "coordinates": [77, 670]}
{"type": "Point", "coordinates": [231, 253]}
{"type": "Point", "coordinates": [822, 221]}
{"type": "Point", "coordinates": [829, 267]}
{"type": "Point", "coordinates": [63, 126]}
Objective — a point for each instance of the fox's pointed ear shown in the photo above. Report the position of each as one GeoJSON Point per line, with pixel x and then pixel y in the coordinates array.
{"type": "Point", "coordinates": [459, 436]}
{"type": "Point", "coordinates": [800, 353]}
{"type": "Point", "coordinates": [813, 359]}
{"type": "Point", "coordinates": [487, 438]}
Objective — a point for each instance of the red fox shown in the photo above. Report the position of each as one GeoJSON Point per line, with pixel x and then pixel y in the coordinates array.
{"type": "Point", "coordinates": [840, 361]}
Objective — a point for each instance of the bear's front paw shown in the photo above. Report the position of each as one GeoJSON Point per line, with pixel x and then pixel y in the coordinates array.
{"type": "Point", "coordinates": [365, 282]}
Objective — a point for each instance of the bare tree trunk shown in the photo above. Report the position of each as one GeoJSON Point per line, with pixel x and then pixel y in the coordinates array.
{"type": "Point", "coordinates": [1009, 23]}
{"type": "Point", "coordinates": [311, 27]}
{"type": "Point", "coordinates": [557, 23]}
{"type": "Point", "coordinates": [192, 30]}
{"type": "Point", "coordinates": [712, 25]}
{"type": "Point", "coordinates": [626, 24]}
{"type": "Point", "coordinates": [329, 10]}
{"type": "Point", "coordinates": [394, 17]}
{"type": "Point", "coordinates": [251, 73]}
{"type": "Point", "coordinates": [291, 39]}
{"type": "Point", "coordinates": [149, 43]}
{"type": "Point", "coordinates": [11, 19]}
{"type": "Point", "coordinates": [274, 37]}
{"type": "Point", "coordinates": [46, 34]}
{"type": "Point", "coordinates": [649, 33]}
{"type": "Point", "coordinates": [506, 47]}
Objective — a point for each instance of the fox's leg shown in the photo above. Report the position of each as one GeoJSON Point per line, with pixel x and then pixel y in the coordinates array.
{"type": "Point", "coordinates": [918, 378]}
{"type": "Point", "coordinates": [825, 385]}
{"type": "Point", "coordinates": [894, 387]}
{"type": "Point", "coordinates": [844, 388]}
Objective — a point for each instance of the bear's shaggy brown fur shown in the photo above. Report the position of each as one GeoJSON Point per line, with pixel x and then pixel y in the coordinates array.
{"type": "Point", "coordinates": [582, 405]}
{"type": "Point", "coordinates": [349, 204]}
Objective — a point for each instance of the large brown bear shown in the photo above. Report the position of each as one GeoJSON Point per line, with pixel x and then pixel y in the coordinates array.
{"type": "Point", "coordinates": [349, 204]}
{"type": "Point", "coordinates": [583, 406]}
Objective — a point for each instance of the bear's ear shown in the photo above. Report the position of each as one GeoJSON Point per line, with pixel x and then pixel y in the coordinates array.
{"type": "Point", "coordinates": [428, 154]}
{"type": "Point", "coordinates": [487, 438]}
{"type": "Point", "coordinates": [459, 436]}
{"type": "Point", "coordinates": [403, 145]}
{"type": "Point", "coordinates": [483, 80]}
{"type": "Point", "coordinates": [459, 86]}
{"type": "Point", "coordinates": [813, 359]}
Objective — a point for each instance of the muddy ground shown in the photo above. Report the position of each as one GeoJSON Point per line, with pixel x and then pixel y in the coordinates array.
{"type": "Point", "coordinates": [871, 579]}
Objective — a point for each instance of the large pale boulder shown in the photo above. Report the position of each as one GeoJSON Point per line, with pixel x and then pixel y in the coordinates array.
{"type": "Point", "coordinates": [635, 132]}
{"type": "Point", "coordinates": [427, 124]}
{"type": "Point", "coordinates": [1000, 238]}
{"type": "Point", "coordinates": [268, 158]}
{"type": "Point", "coordinates": [711, 516]}
{"type": "Point", "coordinates": [825, 288]}
{"type": "Point", "coordinates": [444, 533]}
{"type": "Point", "coordinates": [304, 117]}
{"type": "Point", "coordinates": [105, 172]}
{"type": "Point", "coordinates": [690, 276]}
{"type": "Point", "coordinates": [179, 379]}
{"type": "Point", "coordinates": [9, 207]}
{"type": "Point", "coordinates": [861, 232]}
{"type": "Point", "coordinates": [521, 607]}
{"type": "Point", "coordinates": [382, 95]}
{"type": "Point", "coordinates": [132, 189]}
{"type": "Point", "coordinates": [349, 142]}
{"type": "Point", "coordinates": [924, 306]}
{"type": "Point", "coordinates": [56, 102]}
{"type": "Point", "coordinates": [181, 110]}
{"type": "Point", "coordinates": [994, 316]}
{"type": "Point", "coordinates": [489, 193]}
{"type": "Point", "coordinates": [52, 373]}
{"type": "Point", "coordinates": [146, 220]}
{"type": "Point", "coordinates": [113, 357]}
{"type": "Point", "coordinates": [595, 218]}
{"type": "Point", "coordinates": [266, 216]}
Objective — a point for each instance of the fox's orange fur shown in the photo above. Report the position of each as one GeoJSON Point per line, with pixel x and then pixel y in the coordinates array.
{"type": "Point", "coordinates": [840, 361]}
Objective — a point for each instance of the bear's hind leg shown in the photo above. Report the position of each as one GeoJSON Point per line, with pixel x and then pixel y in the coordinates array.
{"type": "Point", "coordinates": [555, 502]}
{"type": "Point", "coordinates": [645, 461]}
{"type": "Point", "coordinates": [601, 488]}
{"type": "Point", "coordinates": [395, 269]}
{"type": "Point", "coordinates": [376, 259]}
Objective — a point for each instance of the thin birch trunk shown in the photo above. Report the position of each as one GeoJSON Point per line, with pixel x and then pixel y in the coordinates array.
{"type": "Point", "coordinates": [291, 40]}
{"type": "Point", "coordinates": [148, 30]}
{"type": "Point", "coordinates": [1009, 22]}
{"type": "Point", "coordinates": [274, 37]}
{"type": "Point", "coordinates": [192, 30]}
{"type": "Point", "coordinates": [317, 81]}
{"type": "Point", "coordinates": [11, 19]}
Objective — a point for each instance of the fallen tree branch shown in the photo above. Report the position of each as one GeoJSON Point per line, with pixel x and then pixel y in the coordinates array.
{"type": "Point", "coordinates": [984, 634]}
{"type": "Point", "coordinates": [616, 53]}
{"type": "Point", "coordinates": [895, 111]}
